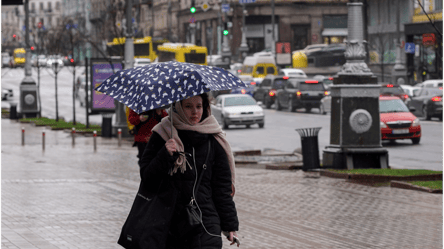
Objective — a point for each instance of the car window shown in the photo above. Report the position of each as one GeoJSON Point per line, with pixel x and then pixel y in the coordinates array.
{"type": "Point", "coordinates": [237, 101]}
{"type": "Point", "coordinates": [393, 105]}
{"type": "Point", "coordinates": [266, 82]}
{"type": "Point", "coordinates": [391, 90]}
{"type": "Point", "coordinates": [279, 83]}
{"type": "Point", "coordinates": [247, 69]}
{"type": "Point", "coordinates": [260, 70]}
{"type": "Point", "coordinates": [270, 70]}
{"type": "Point", "coordinates": [311, 86]}
{"type": "Point", "coordinates": [289, 85]}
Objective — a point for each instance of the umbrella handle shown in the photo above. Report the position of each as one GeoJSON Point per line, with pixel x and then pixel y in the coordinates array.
{"type": "Point", "coordinates": [171, 119]}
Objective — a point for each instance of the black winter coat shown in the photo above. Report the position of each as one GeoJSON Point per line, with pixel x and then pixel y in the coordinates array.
{"type": "Point", "coordinates": [213, 196]}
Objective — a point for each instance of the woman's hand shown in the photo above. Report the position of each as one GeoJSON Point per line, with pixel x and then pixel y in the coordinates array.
{"type": "Point", "coordinates": [171, 146]}
{"type": "Point", "coordinates": [230, 238]}
{"type": "Point", "coordinates": [143, 118]}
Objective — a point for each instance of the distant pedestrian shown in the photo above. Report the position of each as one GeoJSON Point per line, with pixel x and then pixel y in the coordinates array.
{"type": "Point", "coordinates": [143, 123]}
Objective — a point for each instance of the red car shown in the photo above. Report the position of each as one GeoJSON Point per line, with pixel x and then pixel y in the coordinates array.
{"type": "Point", "coordinates": [397, 122]}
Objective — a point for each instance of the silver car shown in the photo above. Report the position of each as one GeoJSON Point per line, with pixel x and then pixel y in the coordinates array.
{"type": "Point", "coordinates": [238, 109]}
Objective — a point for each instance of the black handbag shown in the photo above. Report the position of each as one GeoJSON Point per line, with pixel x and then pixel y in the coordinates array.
{"type": "Point", "coordinates": [148, 221]}
{"type": "Point", "coordinates": [191, 215]}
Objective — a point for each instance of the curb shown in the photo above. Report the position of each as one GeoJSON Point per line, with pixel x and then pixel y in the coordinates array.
{"type": "Point", "coordinates": [379, 178]}
{"type": "Point", "coordinates": [405, 185]}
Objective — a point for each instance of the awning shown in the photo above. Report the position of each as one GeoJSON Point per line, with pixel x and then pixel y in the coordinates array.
{"type": "Point", "coordinates": [335, 32]}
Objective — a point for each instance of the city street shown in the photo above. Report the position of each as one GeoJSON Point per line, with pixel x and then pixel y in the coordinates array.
{"type": "Point", "coordinates": [279, 131]}
{"type": "Point", "coordinates": [77, 198]}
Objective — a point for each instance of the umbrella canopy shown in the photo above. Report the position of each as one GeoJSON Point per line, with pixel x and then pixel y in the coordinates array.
{"type": "Point", "coordinates": [160, 84]}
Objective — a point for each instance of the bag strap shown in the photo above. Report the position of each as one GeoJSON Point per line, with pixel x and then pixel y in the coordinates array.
{"type": "Point", "coordinates": [204, 167]}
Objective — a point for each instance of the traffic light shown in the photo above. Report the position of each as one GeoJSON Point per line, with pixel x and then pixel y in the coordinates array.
{"type": "Point", "coordinates": [193, 8]}
{"type": "Point", "coordinates": [72, 60]}
{"type": "Point", "coordinates": [14, 36]}
{"type": "Point", "coordinates": [32, 48]}
{"type": "Point", "coordinates": [225, 28]}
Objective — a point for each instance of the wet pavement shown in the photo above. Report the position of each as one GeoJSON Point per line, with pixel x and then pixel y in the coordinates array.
{"type": "Point", "coordinates": [69, 197]}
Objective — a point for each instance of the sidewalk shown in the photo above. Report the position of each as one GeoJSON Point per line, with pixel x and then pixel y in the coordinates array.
{"type": "Point", "coordinates": [77, 198]}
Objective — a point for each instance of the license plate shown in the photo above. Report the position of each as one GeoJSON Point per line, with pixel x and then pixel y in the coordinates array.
{"type": "Point", "coordinates": [401, 131]}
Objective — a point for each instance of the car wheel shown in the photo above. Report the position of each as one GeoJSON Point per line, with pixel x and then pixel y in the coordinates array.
{"type": "Point", "coordinates": [440, 117]}
{"type": "Point", "coordinates": [81, 103]}
{"type": "Point", "coordinates": [248, 126]}
{"type": "Point", "coordinates": [277, 105]}
{"type": "Point", "coordinates": [307, 109]}
{"type": "Point", "coordinates": [261, 125]}
{"type": "Point", "coordinates": [225, 125]}
{"type": "Point", "coordinates": [322, 109]}
{"type": "Point", "coordinates": [426, 115]}
{"type": "Point", "coordinates": [416, 140]}
{"type": "Point", "coordinates": [267, 103]}
{"type": "Point", "coordinates": [290, 105]}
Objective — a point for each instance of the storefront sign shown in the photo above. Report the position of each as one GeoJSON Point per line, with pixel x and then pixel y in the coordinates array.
{"type": "Point", "coordinates": [428, 39]}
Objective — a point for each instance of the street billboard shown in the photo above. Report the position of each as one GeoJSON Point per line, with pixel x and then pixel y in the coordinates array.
{"type": "Point", "coordinates": [100, 70]}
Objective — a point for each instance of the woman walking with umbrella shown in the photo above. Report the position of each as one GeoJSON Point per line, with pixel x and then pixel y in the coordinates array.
{"type": "Point", "coordinates": [185, 199]}
{"type": "Point", "coordinates": [193, 127]}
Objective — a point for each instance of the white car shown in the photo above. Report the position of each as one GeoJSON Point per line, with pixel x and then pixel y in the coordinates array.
{"type": "Point", "coordinates": [140, 62]}
{"type": "Point", "coordinates": [325, 106]}
{"type": "Point", "coordinates": [52, 60]}
{"type": "Point", "coordinates": [292, 72]}
{"type": "Point", "coordinates": [411, 90]}
{"type": "Point", "coordinates": [41, 60]}
{"type": "Point", "coordinates": [430, 83]}
{"type": "Point", "coordinates": [6, 93]}
{"type": "Point", "coordinates": [238, 109]}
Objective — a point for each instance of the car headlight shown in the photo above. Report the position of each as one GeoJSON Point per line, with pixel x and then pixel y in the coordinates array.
{"type": "Point", "coordinates": [415, 122]}
{"type": "Point", "coordinates": [230, 114]}
{"type": "Point", "coordinates": [383, 125]}
{"type": "Point", "coordinates": [259, 112]}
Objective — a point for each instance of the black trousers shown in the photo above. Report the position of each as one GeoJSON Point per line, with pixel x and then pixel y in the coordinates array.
{"type": "Point", "coordinates": [141, 147]}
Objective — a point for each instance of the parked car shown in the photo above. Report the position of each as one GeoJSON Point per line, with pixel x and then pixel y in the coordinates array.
{"type": "Point", "coordinates": [300, 93]}
{"type": "Point", "coordinates": [325, 105]}
{"type": "Point", "coordinates": [430, 83]}
{"type": "Point", "coordinates": [82, 91]}
{"type": "Point", "coordinates": [331, 55]}
{"type": "Point", "coordinates": [266, 90]}
{"type": "Point", "coordinates": [428, 103]}
{"type": "Point", "coordinates": [396, 120]}
{"type": "Point", "coordinates": [393, 90]}
{"type": "Point", "coordinates": [6, 59]}
{"type": "Point", "coordinates": [292, 72]}
{"type": "Point", "coordinates": [140, 62]}
{"type": "Point", "coordinates": [238, 109]}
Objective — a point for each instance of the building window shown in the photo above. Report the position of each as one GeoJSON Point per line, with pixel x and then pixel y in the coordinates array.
{"type": "Point", "coordinates": [49, 21]}
{"type": "Point", "coordinates": [32, 6]}
{"type": "Point", "coordinates": [41, 6]}
{"type": "Point", "coordinates": [438, 5]}
{"type": "Point", "coordinates": [57, 5]}
{"type": "Point", "coordinates": [49, 6]}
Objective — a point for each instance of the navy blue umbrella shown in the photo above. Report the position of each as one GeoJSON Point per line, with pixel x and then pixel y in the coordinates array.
{"type": "Point", "coordinates": [161, 84]}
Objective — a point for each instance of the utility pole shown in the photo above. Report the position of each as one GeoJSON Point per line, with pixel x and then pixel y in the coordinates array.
{"type": "Point", "coordinates": [129, 62]}
{"type": "Point", "coordinates": [399, 72]}
{"type": "Point", "coordinates": [244, 47]}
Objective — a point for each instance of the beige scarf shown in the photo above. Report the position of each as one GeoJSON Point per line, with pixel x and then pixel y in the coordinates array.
{"type": "Point", "coordinates": [206, 126]}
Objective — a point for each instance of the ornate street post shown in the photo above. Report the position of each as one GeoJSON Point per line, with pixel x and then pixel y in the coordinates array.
{"type": "Point", "coordinates": [243, 47]}
{"type": "Point", "coordinates": [355, 133]}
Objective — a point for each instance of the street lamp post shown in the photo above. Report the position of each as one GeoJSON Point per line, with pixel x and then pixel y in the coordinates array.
{"type": "Point", "coordinates": [243, 47]}
{"type": "Point", "coordinates": [56, 71]}
{"type": "Point", "coordinates": [226, 52]}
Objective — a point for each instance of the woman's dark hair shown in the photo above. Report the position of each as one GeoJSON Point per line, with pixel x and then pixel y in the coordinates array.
{"type": "Point", "coordinates": [205, 105]}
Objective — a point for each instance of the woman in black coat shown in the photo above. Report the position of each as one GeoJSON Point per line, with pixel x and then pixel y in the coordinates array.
{"type": "Point", "coordinates": [172, 163]}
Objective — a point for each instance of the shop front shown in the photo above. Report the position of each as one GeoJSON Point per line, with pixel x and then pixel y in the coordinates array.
{"type": "Point", "coordinates": [424, 58]}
